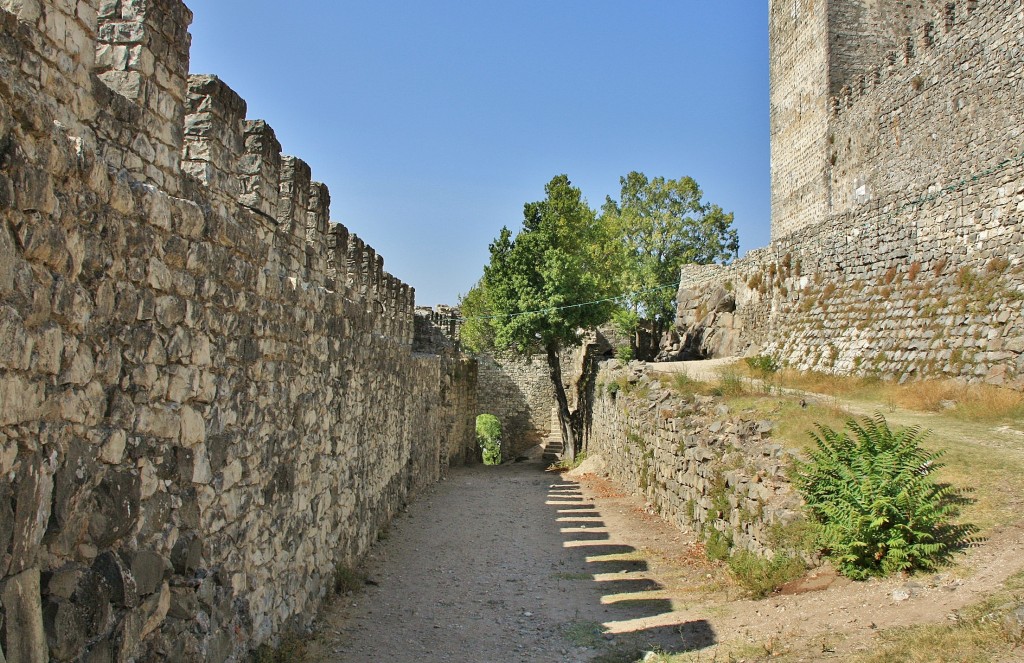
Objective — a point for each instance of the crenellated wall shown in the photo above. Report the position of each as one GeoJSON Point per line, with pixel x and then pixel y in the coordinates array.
{"type": "Point", "coordinates": [208, 395]}
{"type": "Point", "coordinates": [876, 99]}
{"type": "Point", "coordinates": [916, 267]}
{"type": "Point", "coordinates": [946, 106]}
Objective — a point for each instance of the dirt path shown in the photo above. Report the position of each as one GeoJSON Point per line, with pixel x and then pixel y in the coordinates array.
{"type": "Point", "coordinates": [513, 564]}
{"type": "Point", "coordinates": [507, 564]}
{"type": "Point", "coordinates": [497, 565]}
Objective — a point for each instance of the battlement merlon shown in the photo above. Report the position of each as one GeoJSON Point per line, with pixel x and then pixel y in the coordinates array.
{"type": "Point", "coordinates": [849, 84]}
{"type": "Point", "coordinates": [142, 53]}
{"type": "Point", "coordinates": [214, 138]}
{"type": "Point", "coordinates": [113, 74]}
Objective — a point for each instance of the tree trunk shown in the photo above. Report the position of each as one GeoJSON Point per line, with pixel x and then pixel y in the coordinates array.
{"type": "Point", "coordinates": [564, 416]}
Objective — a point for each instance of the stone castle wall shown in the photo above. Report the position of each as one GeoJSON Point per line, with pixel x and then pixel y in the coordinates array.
{"type": "Point", "coordinates": [945, 107]}
{"type": "Point", "coordinates": [695, 463]}
{"type": "Point", "coordinates": [208, 395]}
{"type": "Point", "coordinates": [919, 268]}
{"type": "Point", "coordinates": [928, 287]}
{"type": "Point", "coordinates": [871, 100]}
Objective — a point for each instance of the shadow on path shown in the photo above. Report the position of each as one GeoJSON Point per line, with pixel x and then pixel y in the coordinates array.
{"type": "Point", "coordinates": [639, 613]}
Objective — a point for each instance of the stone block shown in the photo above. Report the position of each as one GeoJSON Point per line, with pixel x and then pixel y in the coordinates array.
{"type": "Point", "coordinates": [25, 635]}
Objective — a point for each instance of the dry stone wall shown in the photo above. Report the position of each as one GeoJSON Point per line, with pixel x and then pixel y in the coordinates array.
{"type": "Point", "coordinates": [697, 464]}
{"type": "Point", "coordinates": [208, 395]}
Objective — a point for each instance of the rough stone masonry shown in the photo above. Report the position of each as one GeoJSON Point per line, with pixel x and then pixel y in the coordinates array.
{"type": "Point", "coordinates": [208, 394]}
{"type": "Point", "coordinates": [897, 198]}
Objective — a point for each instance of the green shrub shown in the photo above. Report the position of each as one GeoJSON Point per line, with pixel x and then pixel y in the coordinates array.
{"type": "Point", "coordinates": [761, 576]}
{"type": "Point", "coordinates": [624, 353]}
{"type": "Point", "coordinates": [488, 434]}
{"type": "Point", "coordinates": [718, 544]}
{"type": "Point", "coordinates": [879, 508]}
{"type": "Point", "coordinates": [763, 365]}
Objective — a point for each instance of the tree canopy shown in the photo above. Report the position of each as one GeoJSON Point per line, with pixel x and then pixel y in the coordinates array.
{"type": "Point", "coordinates": [568, 269]}
{"type": "Point", "coordinates": [661, 225]}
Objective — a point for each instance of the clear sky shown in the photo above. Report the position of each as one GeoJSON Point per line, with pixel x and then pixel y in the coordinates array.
{"type": "Point", "coordinates": [432, 122]}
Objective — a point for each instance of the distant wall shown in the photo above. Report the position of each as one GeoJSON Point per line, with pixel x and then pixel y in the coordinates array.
{"type": "Point", "coordinates": [518, 392]}
{"type": "Point", "coordinates": [208, 395]}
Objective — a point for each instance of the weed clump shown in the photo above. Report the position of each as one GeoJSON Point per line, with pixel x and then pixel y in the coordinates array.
{"type": "Point", "coordinates": [347, 579]}
{"type": "Point", "coordinates": [761, 576]}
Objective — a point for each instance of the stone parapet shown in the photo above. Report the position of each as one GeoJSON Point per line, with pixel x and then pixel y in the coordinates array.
{"type": "Point", "coordinates": [208, 395]}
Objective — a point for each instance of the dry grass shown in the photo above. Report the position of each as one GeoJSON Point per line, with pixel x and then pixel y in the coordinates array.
{"type": "Point", "coordinates": [981, 402]}
{"type": "Point", "coordinates": [978, 402]}
{"type": "Point", "coordinates": [983, 632]}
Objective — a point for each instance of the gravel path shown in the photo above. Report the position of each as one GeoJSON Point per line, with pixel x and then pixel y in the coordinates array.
{"type": "Point", "coordinates": [491, 566]}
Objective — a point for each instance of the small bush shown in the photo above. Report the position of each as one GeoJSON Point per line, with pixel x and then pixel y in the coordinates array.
{"type": "Point", "coordinates": [717, 545]}
{"type": "Point", "coordinates": [873, 494]}
{"type": "Point", "coordinates": [624, 353]}
{"type": "Point", "coordinates": [488, 434]}
{"type": "Point", "coordinates": [763, 365]}
{"type": "Point", "coordinates": [347, 579]}
{"type": "Point", "coordinates": [761, 576]}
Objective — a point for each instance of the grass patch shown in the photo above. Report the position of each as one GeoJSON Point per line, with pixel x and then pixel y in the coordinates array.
{"type": "Point", "coordinates": [348, 580]}
{"type": "Point", "coordinates": [986, 631]}
{"type": "Point", "coordinates": [564, 465]}
{"type": "Point", "coordinates": [584, 633]}
{"type": "Point", "coordinates": [292, 649]}
{"type": "Point", "coordinates": [730, 382]}
{"type": "Point", "coordinates": [759, 576]}
{"type": "Point", "coordinates": [976, 402]}
{"type": "Point", "coordinates": [685, 386]}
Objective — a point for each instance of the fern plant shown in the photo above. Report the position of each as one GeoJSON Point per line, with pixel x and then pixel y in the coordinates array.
{"type": "Point", "coordinates": [880, 510]}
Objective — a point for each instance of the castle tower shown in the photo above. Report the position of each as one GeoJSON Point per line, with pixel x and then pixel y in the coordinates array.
{"type": "Point", "coordinates": [819, 49]}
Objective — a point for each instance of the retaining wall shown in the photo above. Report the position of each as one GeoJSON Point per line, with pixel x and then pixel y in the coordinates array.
{"type": "Point", "coordinates": [697, 464]}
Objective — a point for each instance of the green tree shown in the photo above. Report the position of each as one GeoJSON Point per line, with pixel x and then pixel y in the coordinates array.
{"type": "Point", "coordinates": [661, 225]}
{"type": "Point", "coordinates": [535, 291]}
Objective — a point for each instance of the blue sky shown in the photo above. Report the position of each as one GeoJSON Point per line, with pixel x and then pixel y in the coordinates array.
{"type": "Point", "coordinates": [433, 122]}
